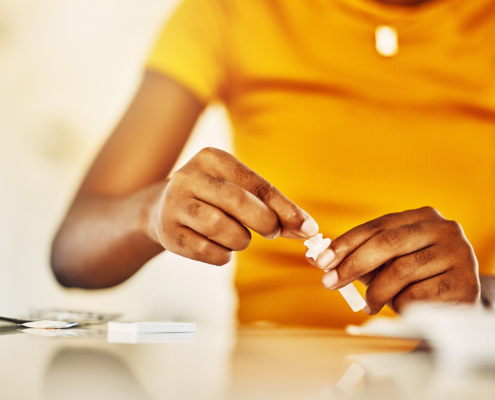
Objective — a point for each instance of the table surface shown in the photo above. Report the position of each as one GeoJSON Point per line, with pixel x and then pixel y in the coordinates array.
{"type": "Point", "coordinates": [258, 362]}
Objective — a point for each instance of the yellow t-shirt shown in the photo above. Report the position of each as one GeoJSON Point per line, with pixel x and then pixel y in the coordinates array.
{"type": "Point", "coordinates": [345, 133]}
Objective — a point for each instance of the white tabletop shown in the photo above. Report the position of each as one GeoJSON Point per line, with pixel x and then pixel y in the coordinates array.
{"type": "Point", "coordinates": [262, 362]}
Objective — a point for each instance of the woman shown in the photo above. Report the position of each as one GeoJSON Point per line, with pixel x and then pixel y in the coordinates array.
{"type": "Point", "coordinates": [326, 119]}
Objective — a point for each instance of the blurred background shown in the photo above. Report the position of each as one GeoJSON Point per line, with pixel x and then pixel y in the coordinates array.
{"type": "Point", "coordinates": [68, 70]}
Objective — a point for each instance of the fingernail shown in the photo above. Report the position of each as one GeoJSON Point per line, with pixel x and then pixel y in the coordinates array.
{"type": "Point", "coordinates": [309, 227]}
{"type": "Point", "coordinates": [297, 235]}
{"type": "Point", "coordinates": [367, 310]}
{"type": "Point", "coordinates": [277, 234]}
{"type": "Point", "coordinates": [330, 279]}
{"type": "Point", "coordinates": [325, 258]}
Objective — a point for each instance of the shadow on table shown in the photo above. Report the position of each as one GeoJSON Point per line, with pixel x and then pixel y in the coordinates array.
{"type": "Point", "coordinates": [90, 374]}
{"type": "Point", "coordinates": [9, 330]}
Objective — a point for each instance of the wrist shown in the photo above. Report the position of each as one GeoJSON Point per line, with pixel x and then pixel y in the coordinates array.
{"type": "Point", "coordinates": [148, 223]}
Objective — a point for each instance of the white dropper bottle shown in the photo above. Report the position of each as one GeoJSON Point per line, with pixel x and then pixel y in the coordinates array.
{"type": "Point", "coordinates": [315, 246]}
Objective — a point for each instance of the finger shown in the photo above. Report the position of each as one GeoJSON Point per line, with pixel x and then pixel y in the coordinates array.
{"type": "Point", "coordinates": [238, 203]}
{"type": "Point", "coordinates": [443, 289]}
{"type": "Point", "coordinates": [380, 249]}
{"type": "Point", "coordinates": [227, 167]}
{"type": "Point", "coordinates": [323, 260]}
{"type": "Point", "coordinates": [190, 244]}
{"type": "Point", "coordinates": [351, 240]}
{"type": "Point", "coordinates": [215, 225]}
{"type": "Point", "coordinates": [366, 279]}
{"type": "Point", "coordinates": [289, 234]}
{"type": "Point", "coordinates": [404, 271]}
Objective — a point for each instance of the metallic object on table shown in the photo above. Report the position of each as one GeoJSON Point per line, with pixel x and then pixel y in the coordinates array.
{"type": "Point", "coordinates": [81, 317]}
{"type": "Point", "coordinates": [43, 324]}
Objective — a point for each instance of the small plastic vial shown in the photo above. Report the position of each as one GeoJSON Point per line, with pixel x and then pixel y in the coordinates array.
{"type": "Point", "coordinates": [315, 246]}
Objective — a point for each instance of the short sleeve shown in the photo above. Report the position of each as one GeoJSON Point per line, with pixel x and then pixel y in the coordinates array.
{"type": "Point", "coordinates": [191, 48]}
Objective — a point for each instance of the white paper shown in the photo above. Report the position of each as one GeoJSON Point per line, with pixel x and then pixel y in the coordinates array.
{"type": "Point", "coordinates": [151, 327]}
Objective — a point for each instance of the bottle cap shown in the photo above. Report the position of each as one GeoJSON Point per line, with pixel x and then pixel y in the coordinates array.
{"type": "Point", "coordinates": [316, 245]}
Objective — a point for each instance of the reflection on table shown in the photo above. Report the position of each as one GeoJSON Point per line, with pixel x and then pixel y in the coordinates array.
{"type": "Point", "coordinates": [259, 362]}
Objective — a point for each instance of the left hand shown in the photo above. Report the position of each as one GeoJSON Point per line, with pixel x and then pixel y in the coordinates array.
{"type": "Point", "coordinates": [415, 255]}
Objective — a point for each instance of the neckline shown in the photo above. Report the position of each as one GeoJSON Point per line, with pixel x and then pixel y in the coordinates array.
{"type": "Point", "coordinates": [432, 13]}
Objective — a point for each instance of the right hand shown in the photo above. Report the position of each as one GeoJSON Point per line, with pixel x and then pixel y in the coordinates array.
{"type": "Point", "coordinates": [208, 203]}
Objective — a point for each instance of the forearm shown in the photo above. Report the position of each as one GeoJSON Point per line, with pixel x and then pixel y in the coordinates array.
{"type": "Point", "coordinates": [103, 241]}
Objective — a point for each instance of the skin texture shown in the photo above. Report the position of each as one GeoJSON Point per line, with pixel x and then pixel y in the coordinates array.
{"type": "Point", "coordinates": [127, 212]}
{"type": "Point", "coordinates": [415, 255]}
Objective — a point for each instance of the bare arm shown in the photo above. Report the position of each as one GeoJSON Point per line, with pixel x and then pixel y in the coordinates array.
{"type": "Point", "coordinates": [105, 238]}
{"type": "Point", "coordinates": [126, 212]}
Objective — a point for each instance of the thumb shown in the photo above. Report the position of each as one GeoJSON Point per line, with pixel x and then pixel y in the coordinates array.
{"type": "Point", "coordinates": [295, 222]}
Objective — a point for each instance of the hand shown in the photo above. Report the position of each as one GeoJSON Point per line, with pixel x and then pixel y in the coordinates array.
{"type": "Point", "coordinates": [410, 256]}
{"type": "Point", "coordinates": [207, 205]}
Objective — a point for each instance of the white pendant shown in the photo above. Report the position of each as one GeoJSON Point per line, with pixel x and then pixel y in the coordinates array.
{"type": "Point", "coordinates": [386, 41]}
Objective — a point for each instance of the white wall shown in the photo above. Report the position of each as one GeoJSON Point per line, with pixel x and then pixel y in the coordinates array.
{"type": "Point", "coordinates": [67, 71]}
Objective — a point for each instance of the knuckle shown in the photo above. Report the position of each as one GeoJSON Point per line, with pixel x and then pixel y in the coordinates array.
{"type": "Point", "coordinates": [417, 293]}
{"type": "Point", "coordinates": [178, 178]}
{"type": "Point", "coordinates": [387, 217]}
{"type": "Point", "coordinates": [430, 212]}
{"type": "Point", "coordinates": [263, 191]}
{"type": "Point", "coordinates": [238, 199]}
{"type": "Point", "coordinates": [201, 250]}
{"type": "Point", "coordinates": [207, 156]}
{"type": "Point", "coordinates": [214, 222]}
{"type": "Point", "coordinates": [414, 228]}
{"type": "Point", "coordinates": [427, 209]}
{"type": "Point", "coordinates": [401, 269]}
{"type": "Point", "coordinates": [344, 243]}
{"type": "Point", "coordinates": [374, 225]}
{"type": "Point", "coordinates": [180, 240]}
{"type": "Point", "coordinates": [168, 235]}
{"type": "Point", "coordinates": [290, 215]}
{"type": "Point", "coordinates": [215, 183]}
{"type": "Point", "coordinates": [424, 257]}
{"type": "Point", "coordinates": [348, 269]}
{"type": "Point", "coordinates": [443, 286]}
{"type": "Point", "coordinates": [243, 173]}
{"type": "Point", "coordinates": [388, 239]}
{"type": "Point", "coordinates": [194, 209]}
{"type": "Point", "coordinates": [453, 227]}
{"type": "Point", "coordinates": [209, 152]}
